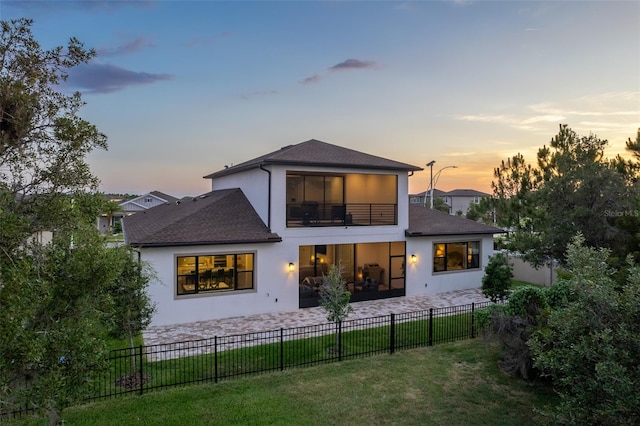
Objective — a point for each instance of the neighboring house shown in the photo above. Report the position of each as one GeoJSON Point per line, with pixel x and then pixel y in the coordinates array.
{"type": "Point", "coordinates": [108, 221]}
{"type": "Point", "coordinates": [262, 239]}
{"type": "Point", "coordinates": [458, 200]}
{"type": "Point", "coordinates": [424, 198]}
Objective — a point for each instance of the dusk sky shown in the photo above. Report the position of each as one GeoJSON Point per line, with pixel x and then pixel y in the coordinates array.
{"type": "Point", "coordinates": [183, 88]}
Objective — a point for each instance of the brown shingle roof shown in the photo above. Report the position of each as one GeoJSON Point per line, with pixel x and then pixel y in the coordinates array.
{"type": "Point", "coordinates": [427, 222]}
{"type": "Point", "coordinates": [167, 197]}
{"type": "Point", "coordinates": [466, 193]}
{"type": "Point", "coordinates": [317, 153]}
{"type": "Point", "coordinates": [218, 217]}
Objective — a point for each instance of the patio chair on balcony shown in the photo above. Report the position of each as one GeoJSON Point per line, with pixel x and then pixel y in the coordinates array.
{"type": "Point", "coordinates": [309, 212]}
{"type": "Point", "coordinates": [338, 213]}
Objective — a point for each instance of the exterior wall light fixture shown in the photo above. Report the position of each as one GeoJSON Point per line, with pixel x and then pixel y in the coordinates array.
{"type": "Point", "coordinates": [413, 258]}
{"type": "Point", "coordinates": [292, 267]}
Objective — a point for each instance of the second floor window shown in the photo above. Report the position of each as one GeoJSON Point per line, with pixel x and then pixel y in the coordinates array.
{"type": "Point", "coordinates": [311, 188]}
{"type": "Point", "coordinates": [334, 200]}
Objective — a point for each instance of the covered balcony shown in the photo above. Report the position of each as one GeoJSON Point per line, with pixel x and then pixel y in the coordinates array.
{"type": "Point", "coordinates": [339, 200]}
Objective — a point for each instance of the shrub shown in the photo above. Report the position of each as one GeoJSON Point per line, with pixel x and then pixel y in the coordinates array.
{"type": "Point", "coordinates": [497, 279]}
{"type": "Point", "coordinates": [589, 346]}
{"type": "Point", "coordinates": [512, 324]}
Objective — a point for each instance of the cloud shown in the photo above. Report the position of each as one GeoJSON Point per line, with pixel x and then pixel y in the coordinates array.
{"type": "Point", "coordinates": [598, 105]}
{"type": "Point", "coordinates": [615, 113]}
{"type": "Point", "coordinates": [107, 78]}
{"type": "Point", "coordinates": [549, 118]}
{"type": "Point", "coordinates": [35, 6]}
{"type": "Point", "coordinates": [130, 46]}
{"type": "Point", "coordinates": [311, 80]}
{"type": "Point", "coordinates": [351, 64]}
{"type": "Point", "coordinates": [485, 118]}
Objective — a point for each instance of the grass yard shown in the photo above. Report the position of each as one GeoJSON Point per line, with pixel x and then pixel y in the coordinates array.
{"type": "Point", "coordinates": [516, 283]}
{"type": "Point", "coordinates": [448, 384]}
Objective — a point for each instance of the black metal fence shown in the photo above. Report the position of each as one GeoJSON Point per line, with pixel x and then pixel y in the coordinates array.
{"type": "Point", "coordinates": [145, 368]}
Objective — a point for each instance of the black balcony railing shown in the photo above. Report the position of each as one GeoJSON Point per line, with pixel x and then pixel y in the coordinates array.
{"type": "Point", "coordinates": [312, 213]}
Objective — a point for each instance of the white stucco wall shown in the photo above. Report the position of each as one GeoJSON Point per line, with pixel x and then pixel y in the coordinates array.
{"type": "Point", "coordinates": [255, 185]}
{"type": "Point", "coordinates": [421, 280]}
{"type": "Point", "coordinates": [524, 271]}
{"type": "Point", "coordinates": [276, 289]}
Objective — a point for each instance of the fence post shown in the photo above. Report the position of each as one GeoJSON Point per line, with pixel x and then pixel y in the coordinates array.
{"type": "Point", "coordinates": [392, 334]}
{"type": "Point", "coordinates": [215, 359]}
{"type": "Point", "coordinates": [430, 326]}
{"type": "Point", "coordinates": [140, 374]}
{"type": "Point", "coordinates": [281, 348]}
{"type": "Point", "coordinates": [473, 324]}
{"type": "Point", "coordinates": [339, 340]}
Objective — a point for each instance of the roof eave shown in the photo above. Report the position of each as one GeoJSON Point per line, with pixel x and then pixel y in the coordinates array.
{"type": "Point", "coordinates": [204, 243]}
{"type": "Point", "coordinates": [408, 233]}
{"type": "Point", "coordinates": [232, 170]}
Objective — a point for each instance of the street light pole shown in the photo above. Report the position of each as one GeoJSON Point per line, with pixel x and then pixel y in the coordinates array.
{"type": "Point", "coordinates": [430, 164]}
{"type": "Point", "coordinates": [432, 183]}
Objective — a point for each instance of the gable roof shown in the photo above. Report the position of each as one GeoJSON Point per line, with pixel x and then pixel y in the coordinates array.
{"type": "Point", "coordinates": [466, 193]}
{"type": "Point", "coordinates": [317, 153]}
{"type": "Point", "coordinates": [138, 203]}
{"type": "Point", "coordinates": [427, 193]}
{"type": "Point", "coordinates": [166, 197]}
{"type": "Point", "coordinates": [219, 217]}
{"type": "Point", "coordinates": [424, 221]}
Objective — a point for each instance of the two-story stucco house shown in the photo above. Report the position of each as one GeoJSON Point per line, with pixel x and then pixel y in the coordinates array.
{"type": "Point", "coordinates": [261, 240]}
{"type": "Point", "coordinates": [461, 200]}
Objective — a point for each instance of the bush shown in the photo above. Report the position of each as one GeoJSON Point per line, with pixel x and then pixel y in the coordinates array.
{"type": "Point", "coordinates": [589, 346]}
{"type": "Point", "coordinates": [512, 324]}
{"type": "Point", "coordinates": [527, 302]}
{"type": "Point", "coordinates": [497, 279]}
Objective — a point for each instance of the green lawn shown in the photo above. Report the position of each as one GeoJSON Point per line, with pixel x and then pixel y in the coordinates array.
{"type": "Point", "coordinates": [516, 283]}
{"type": "Point", "coordinates": [448, 384]}
{"type": "Point", "coordinates": [291, 353]}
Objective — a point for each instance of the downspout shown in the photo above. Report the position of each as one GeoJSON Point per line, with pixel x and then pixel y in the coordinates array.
{"type": "Point", "coordinates": [268, 197]}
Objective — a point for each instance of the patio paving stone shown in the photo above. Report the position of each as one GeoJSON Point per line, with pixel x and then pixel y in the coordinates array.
{"type": "Point", "coordinates": [304, 317]}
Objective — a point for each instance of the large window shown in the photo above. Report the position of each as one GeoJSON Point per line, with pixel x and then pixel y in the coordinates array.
{"type": "Point", "coordinates": [214, 273]}
{"type": "Point", "coordinates": [336, 200]}
{"type": "Point", "coordinates": [456, 256]}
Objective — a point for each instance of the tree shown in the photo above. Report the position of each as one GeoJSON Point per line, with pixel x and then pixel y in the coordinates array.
{"type": "Point", "coordinates": [573, 189]}
{"type": "Point", "coordinates": [109, 208]}
{"type": "Point", "coordinates": [496, 281]}
{"type": "Point", "coordinates": [54, 312]}
{"type": "Point", "coordinates": [334, 299]}
{"type": "Point", "coordinates": [588, 344]}
{"type": "Point", "coordinates": [439, 204]}
{"type": "Point", "coordinates": [633, 146]}
{"type": "Point", "coordinates": [57, 297]}
{"type": "Point", "coordinates": [514, 190]}
{"type": "Point", "coordinates": [484, 211]}
{"type": "Point", "coordinates": [128, 294]}
{"type": "Point", "coordinates": [334, 295]}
